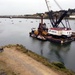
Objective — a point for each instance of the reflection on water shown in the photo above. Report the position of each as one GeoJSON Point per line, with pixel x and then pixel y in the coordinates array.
{"type": "Point", "coordinates": [41, 47]}
{"type": "Point", "coordinates": [59, 50]}
{"type": "Point", "coordinates": [41, 52]}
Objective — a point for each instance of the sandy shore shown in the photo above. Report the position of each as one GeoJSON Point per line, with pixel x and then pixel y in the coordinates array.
{"type": "Point", "coordinates": [21, 64]}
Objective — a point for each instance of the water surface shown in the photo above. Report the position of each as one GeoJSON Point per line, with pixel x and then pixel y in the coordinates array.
{"type": "Point", "coordinates": [16, 31]}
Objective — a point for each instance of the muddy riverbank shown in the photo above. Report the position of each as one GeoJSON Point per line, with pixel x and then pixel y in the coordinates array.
{"type": "Point", "coordinates": [17, 60]}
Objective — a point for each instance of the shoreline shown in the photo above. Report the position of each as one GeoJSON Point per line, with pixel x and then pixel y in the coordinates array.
{"type": "Point", "coordinates": [57, 67]}
{"type": "Point", "coordinates": [30, 17]}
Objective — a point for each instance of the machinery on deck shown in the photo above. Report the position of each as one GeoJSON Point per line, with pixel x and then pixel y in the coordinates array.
{"type": "Point", "coordinates": [41, 32]}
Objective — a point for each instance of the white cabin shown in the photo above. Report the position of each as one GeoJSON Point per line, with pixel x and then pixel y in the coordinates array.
{"type": "Point", "coordinates": [60, 31]}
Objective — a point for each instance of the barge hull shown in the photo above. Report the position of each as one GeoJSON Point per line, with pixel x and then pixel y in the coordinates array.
{"type": "Point", "coordinates": [52, 39]}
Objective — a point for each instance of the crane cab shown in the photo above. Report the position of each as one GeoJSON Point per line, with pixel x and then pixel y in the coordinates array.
{"type": "Point", "coordinates": [60, 32]}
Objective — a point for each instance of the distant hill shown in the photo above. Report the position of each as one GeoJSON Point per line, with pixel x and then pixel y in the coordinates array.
{"type": "Point", "coordinates": [71, 12]}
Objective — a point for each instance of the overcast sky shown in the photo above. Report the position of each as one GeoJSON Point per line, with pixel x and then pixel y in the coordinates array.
{"type": "Point", "coordinates": [21, 7]}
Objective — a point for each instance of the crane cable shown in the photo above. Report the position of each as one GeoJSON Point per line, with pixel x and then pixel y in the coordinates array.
{"type": "Point", "coordinates": [58, 4]}
{"type": "Point", "coordinates": [47, 5]}
{"type": "Point", "coordinates": [51, 20]}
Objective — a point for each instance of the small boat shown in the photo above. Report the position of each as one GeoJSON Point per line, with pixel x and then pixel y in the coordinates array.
{"type": "Point", "coordinates": [31, 21]}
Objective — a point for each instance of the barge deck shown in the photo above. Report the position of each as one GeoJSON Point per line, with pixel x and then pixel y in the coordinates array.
{"type": "Point", "coordinates": [53, 39]}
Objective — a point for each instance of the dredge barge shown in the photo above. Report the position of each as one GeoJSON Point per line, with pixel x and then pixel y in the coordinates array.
{"type": "Point", "coordinates": [45, 36]}
{"type": "Point", "coordinates": [58, 31]}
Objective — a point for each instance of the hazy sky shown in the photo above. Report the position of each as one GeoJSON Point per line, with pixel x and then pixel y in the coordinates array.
{"type": "Point", "coordinates": [21, 7]}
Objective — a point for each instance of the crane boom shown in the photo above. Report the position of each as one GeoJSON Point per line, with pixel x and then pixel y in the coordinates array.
{"type": "Point", "coordinates": [53, 16]}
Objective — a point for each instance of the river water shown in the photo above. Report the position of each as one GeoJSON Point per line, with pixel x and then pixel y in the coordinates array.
{"type": "Point", "coordinates": [16, 31]}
